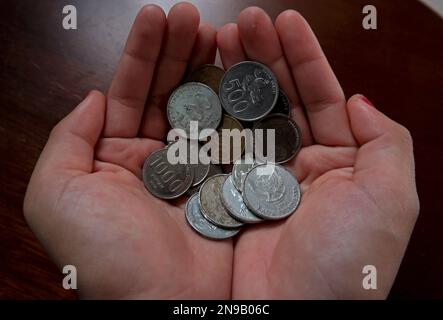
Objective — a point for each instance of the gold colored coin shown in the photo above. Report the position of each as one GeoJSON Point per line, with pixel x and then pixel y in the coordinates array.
{"type": "Point", "coordinates": [207, 74]}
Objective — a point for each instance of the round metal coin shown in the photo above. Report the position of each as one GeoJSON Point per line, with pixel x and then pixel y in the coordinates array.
{"type": "Point", "coordinates": [271, 192]}
{"type": "Point", "coordinates": [203, 226]}
{"type": "Point", "coordinates": [207, 74]}
{"type": "Point", "coordinates": [211, 204]}
{"type": "Point", "coordinates": [194, 101]}
{"type": "Point", "coordinates": [165, 180]}
{"type": "Point", "coordinates": [239, 171]}
{"type": "Point", "coordinates": [201, 170]}
{"type": "Point", "coordinates": [233, 202]}
{"type": "Point", "coordinates": [287, 137]}
{"type": "Point", "coordinates": [282, 105]}
{"type": "Point", "coordinates": [229, 142]}
{"type": "Point", "coordinates": [248, 91]}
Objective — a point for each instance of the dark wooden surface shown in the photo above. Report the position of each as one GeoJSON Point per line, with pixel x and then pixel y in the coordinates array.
{"type": "Point", "coordinates": [45, 71]}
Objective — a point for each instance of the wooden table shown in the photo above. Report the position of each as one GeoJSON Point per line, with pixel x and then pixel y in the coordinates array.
{"type": "Point", "coordinates": [46, 70]}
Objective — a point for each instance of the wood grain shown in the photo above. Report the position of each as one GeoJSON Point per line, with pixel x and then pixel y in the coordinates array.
{"type": "Point", "coordinates": [46, 70]}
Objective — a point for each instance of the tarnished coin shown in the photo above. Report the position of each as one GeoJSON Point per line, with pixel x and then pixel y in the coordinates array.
{"type": "Point", "coordinates": [248, 91]}
{"type": "Point", "coordinates": [203, 226]}
{"type": "Point", "coordinates": [164, 180]}
{"type": "Point", "coordinates": [229, 142]}
{"type": "Point", "coordinates": [233, 202]}
{"type": "Point", "coordinates": [207, 74]}
{"type": "Point", "coordinates": [271, 192]}
{"type": "Point", "coordinates": [194, 101]}
{"type": "Point", "coordinates": [211, 205]}
{"type": "Point", "coordinates": [287, 137]}
{"type": "Point", "coordinates": [213, 170]}
{"type": "Point", "coordinates": [239, 171]}
{"type": "Point", "coordinates": [201, 170]}
{"type": "Point", "coordinates": [282, 105]}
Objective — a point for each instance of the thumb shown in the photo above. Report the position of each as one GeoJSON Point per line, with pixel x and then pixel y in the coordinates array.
{"type": "Point", "coordinates": [384, 165]}
{"type": "Point", "coordinates": [70, 147]}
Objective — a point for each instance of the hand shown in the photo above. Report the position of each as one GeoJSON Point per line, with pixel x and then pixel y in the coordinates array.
{"type": "Point", "coordinates": [85, 200]}
{"type": "Point", "coordinates": [90, 209]}
{"type": "Point", "coordinates": [356, 170]}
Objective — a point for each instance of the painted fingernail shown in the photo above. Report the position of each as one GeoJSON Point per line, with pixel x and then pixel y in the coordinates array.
{"type": "Point", "coordinates": [366, 100]}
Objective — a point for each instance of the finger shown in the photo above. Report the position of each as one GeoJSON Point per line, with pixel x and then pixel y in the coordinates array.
{"type": "Point", "coordinates": [317, 85]}
{"type": "Point", "coordinates": [229, 45]}
{"type": "Point", "coordinates": [131, 83]}
{"type": "Point", "coordinates": [183, 23]}
{"type": "Point", "coordinates": [127, 153]}
{"type": "Point", "coordinates": [384, 166]}
{"type": "Point", "coordinates": [205, 46]}
{"type": "Point", "coordinates": [255, 29]}
{"type": "Point", "coordinates": [70, 147]}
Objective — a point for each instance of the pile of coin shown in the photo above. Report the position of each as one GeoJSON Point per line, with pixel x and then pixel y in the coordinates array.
{"type": "Point", "coordinates": [222, 200]}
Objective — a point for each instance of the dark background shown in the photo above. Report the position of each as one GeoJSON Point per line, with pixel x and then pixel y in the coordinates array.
{"type": "Point", "coordinates": [46, 71]}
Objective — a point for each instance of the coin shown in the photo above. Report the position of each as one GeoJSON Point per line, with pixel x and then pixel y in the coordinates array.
{"type": "Point", "coordinates": [287, 137]}
{"type": "Point", "coordinates": [163, 179]}
{"type": "Point", "coordinates": [233, 202]}
{"type": "Point", "coordinates": [213, 170]}
{"type": "Point", "coordinates": [230, 145]}
{"type": "Point", "coordinates": [282, 105]}
{"type": "Point", "coordinates": [211, 205]}
{"type": "Point", "coordinates": [271, 192]}
{"type": "Point", "coordinates": [239, 171]}
{"type": "Point", "coordinates": [194, 101]}
{"type": "Point", "coordinates": [201, 225]}
{"type": "Point", "coordinates": [248, 91]}
{"type": "Point", "coordinates": [207, 74]}
{"type": "Point", "coordinates": [200, 170]}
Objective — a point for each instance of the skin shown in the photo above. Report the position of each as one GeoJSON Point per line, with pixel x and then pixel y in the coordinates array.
{"type": "Point", "coordinates": [89, 208]}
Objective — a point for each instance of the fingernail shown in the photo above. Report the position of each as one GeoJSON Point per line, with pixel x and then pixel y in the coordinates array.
{"type": "Point", "coordinates": [366, 101]}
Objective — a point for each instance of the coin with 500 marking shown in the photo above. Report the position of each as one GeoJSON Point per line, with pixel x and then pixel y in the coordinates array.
{"type": "Point", "coordinates": [248, 91]}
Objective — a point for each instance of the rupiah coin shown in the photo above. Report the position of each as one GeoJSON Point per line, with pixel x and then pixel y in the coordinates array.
{"type": "Point", "coordinates": [228, 144]}
{"type": "Point", "coordinates": [233, 202]}
{"type": "Point", "coordinates": [211, 203]}
{"type": "Point", "coordinates": [203, 226]}
{"type": "Point", "coordinates": [239, 171]}
{"type": "Point", "coordinates": [207, 74]}
{"type": "Point", "coordinates": [287, 137]}
{"type": "Point", "coordinates": [165, 180]}
{"type": "Point", "coordinates": [271, 192]}
{"type": "Point", "coordinates": [194, 101]}
{"type": "Point", "coordinates": [248, 91]}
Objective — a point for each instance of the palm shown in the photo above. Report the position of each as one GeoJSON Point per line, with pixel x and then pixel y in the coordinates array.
{"type": "Point", "coordinates": [139, 243]}
{"type": "Point", "coordinates": [347, 217]}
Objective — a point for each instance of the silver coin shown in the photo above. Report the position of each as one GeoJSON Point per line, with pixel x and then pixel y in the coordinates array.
{"type": "Point", "coordinates": [233, 202]}
{"type": "Point", "coordinates": [239, 171]}
{"type": "Point", "coordinates": [271, 192]}
{"type": "Point", "coordinates": [203, 226]}
{"type": "Point", "coordinates": [211, 204]}
{"type": "Point", "coordinates": [194, 101]}
{"type": "Point", "coordinates": [248, 91]}
{"type": "Point", "coordinates": [165, 180]}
